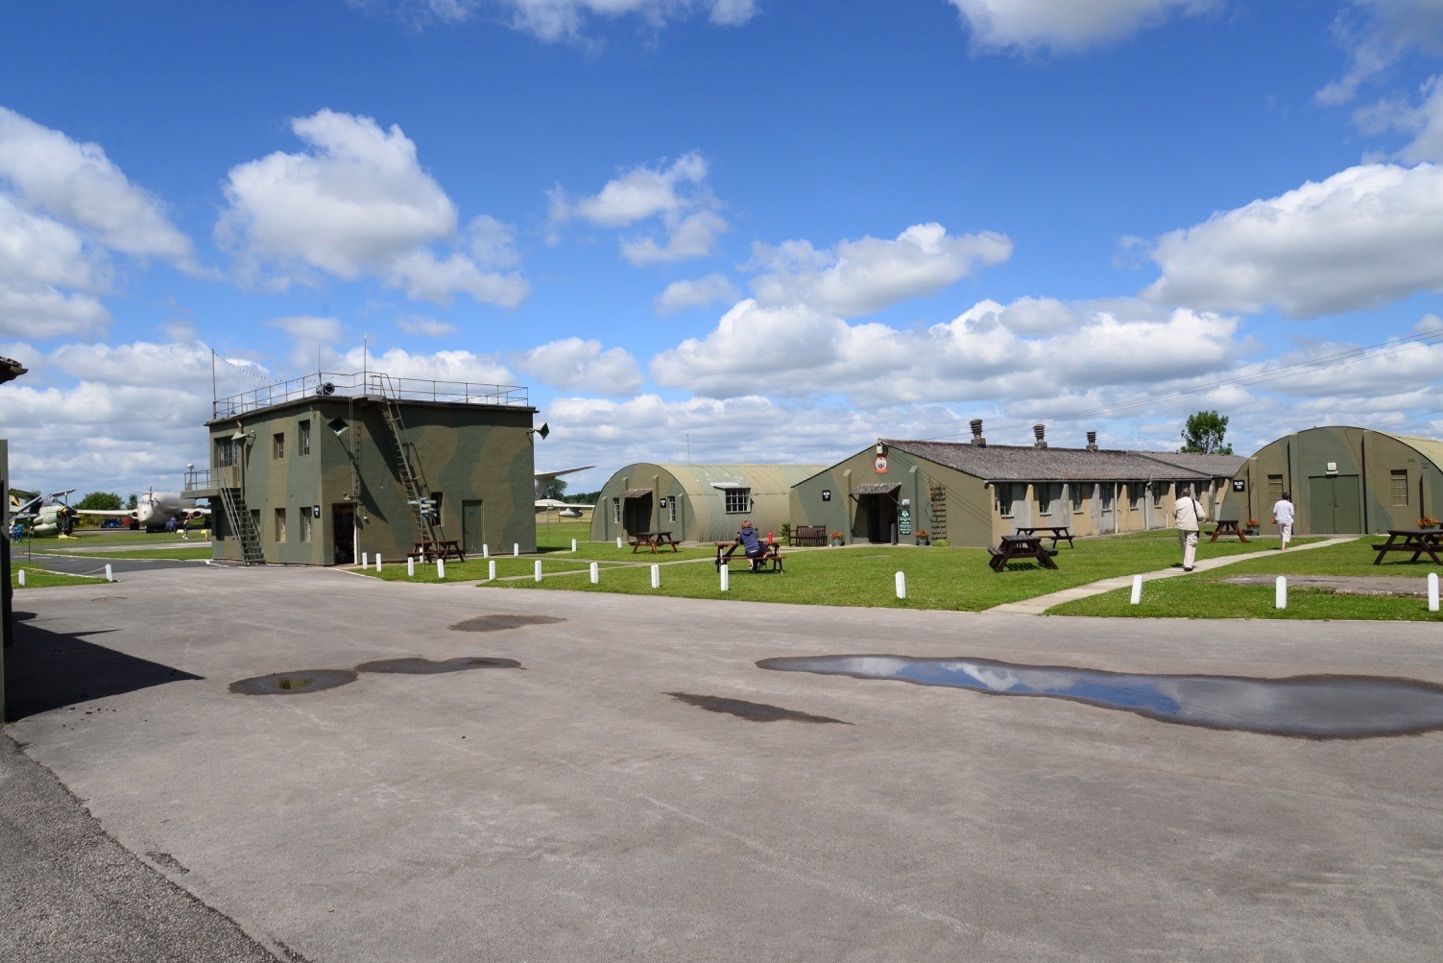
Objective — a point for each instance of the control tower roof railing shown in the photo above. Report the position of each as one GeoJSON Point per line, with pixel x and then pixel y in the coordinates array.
{"type": "Point", "coordinates": [358, 384]}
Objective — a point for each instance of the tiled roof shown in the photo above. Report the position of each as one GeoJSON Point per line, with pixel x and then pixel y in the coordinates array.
{"type": "Point", "coordinates": [875, 488]}
{"type": "Point", "coordinates": [1218, 466]}
{"type": "Point", "coordinates": [1017, 463]}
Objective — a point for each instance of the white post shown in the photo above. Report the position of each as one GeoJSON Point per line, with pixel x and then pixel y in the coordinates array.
{"type": "Point", "coordinates": [440, 568]}
{"type": "Point", "coordinates": [1432, 591]}
{"type": "Point", "coordinates": [573, 544]}
{"type": "Point", "coordinates": [378, 561]}
{"type": "Point", "coordinates": [656, 576]}
{"type": "Point", "coordinates": [538, 570]}
{"type": "Point", "coordinates": [618, 541]}
{"type": "Point", "coordinates": [485, 550]}
{"type": "Point", "coordinates": [901, 585]}
{"type": "Point", "coordinates": [365, 560]}
{"type": "Point", "coordinates": [108, 576]}
{"type": "Point", "coordinates": [491, 570]}
{"type": "Point", "coordinates": [410, 566]}
{"type": "Point", "coordinates": [20, 574]}
{"type": "Point", "coordinates": [595, 573]}
{"type": "Point", "coordinates": [1137, 590]}
{"type": "Point", "coordinates": [726, 579]}
{"type": "Point", "coordinates": [515, 549]}
{"type": "Point", "coordinates": [1280, 594]}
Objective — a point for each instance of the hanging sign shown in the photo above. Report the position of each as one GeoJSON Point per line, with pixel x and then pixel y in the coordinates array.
{"type": "Point", "coordinates": [880, 464]}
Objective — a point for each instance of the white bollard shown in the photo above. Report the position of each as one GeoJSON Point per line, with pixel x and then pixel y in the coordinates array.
{"type": "Point", "coordinates": [901, 585]}
{"type": "Point", "coordinates": [440, 568]}
{"type": "Point", "coordinates": [1137, 590]}
{"type": "Point", "coordinates": [1280, 593]}
{"type": "Point", "coordinates": [365, 560]}
{"type": "Point", "coordinates": [656, 576]}
{"type": "Point", "coordinates": [1432, 591]}
{"type": "Point", "coordinates": [491, 570]}
{"type": "Point", "coordinates": [515, 549]}
{"type": "Point", "coordinates": [595, 574]}
{"type": "Point", "coordinates": [20, 575]}
{"type": "Point", "coordinates": [485, 550]}
{"type": "Point", "coordinates": [538, 570]}
{"type": "Point", "coordinates": [410, 566]}
{"type": "Point", "coordinates": [378, 561]}
{"type": "Point", "coordinates": [573, 544]}
{"type": "Point", "coordinates": [618, 541]}
{"type": "Point", "coordinates": [726, 582]}
{"type": "Point", "coordinates": [109, 577]}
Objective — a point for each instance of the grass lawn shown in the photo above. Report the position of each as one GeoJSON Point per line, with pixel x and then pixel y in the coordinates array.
{"type": "Point", "coordinates": [937, 578]}
{"type": "Point", "coordinates": [106, 537]}
{"type": "Point", "coordinates": [35, 578]}
{"type": "Point", "coordinates": [180, 551]}
{"type": "Point", "coordinates": [1209, 596]}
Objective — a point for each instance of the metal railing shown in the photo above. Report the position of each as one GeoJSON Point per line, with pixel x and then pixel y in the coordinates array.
{"type": "Point", "coordinates": [359, 384]}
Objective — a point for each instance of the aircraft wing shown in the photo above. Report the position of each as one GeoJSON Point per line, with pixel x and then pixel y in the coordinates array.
{"type": "Point", "coordinates": [111, 512]}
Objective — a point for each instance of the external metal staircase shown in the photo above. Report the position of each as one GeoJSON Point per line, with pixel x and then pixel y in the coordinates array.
{"type": "Point", "coordinates": [242, 525]}
{"type": "Point", "coordinates": [408, 465]}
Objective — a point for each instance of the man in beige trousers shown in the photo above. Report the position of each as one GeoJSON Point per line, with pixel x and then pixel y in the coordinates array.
{"type": "Point", "coordinates": [1188, 514]}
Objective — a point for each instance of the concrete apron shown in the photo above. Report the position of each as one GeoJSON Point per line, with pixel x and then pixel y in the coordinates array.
{"type": "Point", "coordinates": [1040, 604]}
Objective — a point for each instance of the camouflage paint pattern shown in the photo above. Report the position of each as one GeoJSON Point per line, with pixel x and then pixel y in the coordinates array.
{"type": "Point", "coordinates": [695, 510]}
{"type": "Point", "coordinates": [1343, 480]}
{"type": "Point", "coordinates": [466, 453]}
{"type": "Point", "coordinates": [971, 510]}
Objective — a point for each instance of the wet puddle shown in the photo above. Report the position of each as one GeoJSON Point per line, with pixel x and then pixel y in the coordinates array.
{"type": "Point", "coordinates": [416, 666]}
{"type": "Point", "coordinates": [755, 711]}
{"type": "Point", "coordinates": [498, 623]}
{"type": "Point", "coordinates": [1311, 707]}
{"type": "Point", "coordinates": [294, 683]}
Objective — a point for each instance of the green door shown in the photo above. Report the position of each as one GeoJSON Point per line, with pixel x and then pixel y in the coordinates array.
{"type": "Point", "coordinates": [471, 532]}
{"type": "Point", "coordinates": [1335, 505]}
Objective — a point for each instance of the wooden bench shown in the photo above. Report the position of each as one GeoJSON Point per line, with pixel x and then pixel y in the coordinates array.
{"type": "Point", "coordinates": [1014, 548]}
{"type": "Point", "coordinates": [725, 555]}
{"type": "Point", "coordinates": [441, 548]}
{"type": "Point", "coordinates": [1055, 532]}
{"type": "Point", "coordinates": [652, 540]}
{"type": "Point", "coordinates": [809, 535]}
{"type": "Point", "coordinates": [1228, 526]}
{"type": "Point", "coordinates": [1419, 541]}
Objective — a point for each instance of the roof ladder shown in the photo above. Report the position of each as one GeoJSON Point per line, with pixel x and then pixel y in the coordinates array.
{"type": "Point", "coordinates": [408, 464]}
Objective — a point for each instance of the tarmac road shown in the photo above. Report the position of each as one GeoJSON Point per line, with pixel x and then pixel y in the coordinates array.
{"type": "Point", "coordinates": [575, 809]}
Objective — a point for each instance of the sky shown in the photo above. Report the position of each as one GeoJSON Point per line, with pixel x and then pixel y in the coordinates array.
{"type": "Point", "coordinates": [722, 230]}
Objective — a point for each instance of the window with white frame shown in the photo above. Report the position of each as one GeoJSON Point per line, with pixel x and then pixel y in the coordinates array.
{"type": "Point", "coordinates": [1134, 495]}
{"type": "Point", "coordinates": [303, 438]}
{"type": "Point", "coordinates": [1005, 492]}
{"type": "Point", "coordinates": [305, 524]}
{"type": "Point", "coordinates": [671, 509]}
{"type": "Point", "coordinates": [279, 441]}
{"type": "Point", "coordinates": [1047, 494]}
{"type": "Point", "coordinates": [616, 510]}
{"type": "Point", "coordinates": [280, 524]}
{"type": "Point", "coordinates": [1079, 491]}
{"type": "Point", "coordinates": [738, 500]}
{"type": "Point", "coordinates": [1157, 491]}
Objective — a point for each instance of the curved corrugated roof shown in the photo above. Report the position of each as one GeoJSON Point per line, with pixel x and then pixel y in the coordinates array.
{"type": "Point", "coordinates": [761, 479]}
{"type": "Point", "coordinates": [1431, 448]}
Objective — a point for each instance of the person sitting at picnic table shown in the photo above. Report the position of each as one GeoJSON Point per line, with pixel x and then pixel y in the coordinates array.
{"type": "Point", "coordinates": [1283, 516]}
{"type": "Point", "coordinates": [750, 542]}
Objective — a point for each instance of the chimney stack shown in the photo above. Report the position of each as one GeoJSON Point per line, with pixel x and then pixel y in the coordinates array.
{"type": "Point", "coordinates": [1039, 430]}
{"type": "Point", "coordinates": [1092, 441]}
{"type": "Point", "coordinates": [977, 438]}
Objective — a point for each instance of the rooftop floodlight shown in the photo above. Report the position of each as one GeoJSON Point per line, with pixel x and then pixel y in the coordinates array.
{"type": "Point", "coordinates": [543, 431]}
{"type": "Point", "coordinates": [10, 369]}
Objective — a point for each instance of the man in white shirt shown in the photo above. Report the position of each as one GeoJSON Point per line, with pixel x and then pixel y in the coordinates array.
{"type": "Point", "coordinates": [1283, 516]}
{"type": "Point", "coordinates": [1188, 514]}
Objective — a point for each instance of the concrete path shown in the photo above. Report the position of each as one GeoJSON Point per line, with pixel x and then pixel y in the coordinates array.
{"type": "Point", "coordinates": [585, 807]}
{"type": "Point", "coordinates": [1040, 604]}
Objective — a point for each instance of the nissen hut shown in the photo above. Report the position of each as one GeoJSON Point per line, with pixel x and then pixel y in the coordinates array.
{"type": "Point", "coordinates": [972, 493]}
{"type": "Point", "coordinates": [697, 503]}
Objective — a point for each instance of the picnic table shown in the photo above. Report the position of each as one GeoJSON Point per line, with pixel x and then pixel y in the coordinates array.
{"type": "Point", "coordinates": [1014, 547]}
{"type": "Point", "coordinates": [1419, 541]}
{"type": "Point", "coordinates": [440, 548]}
{"type": "Point", "coordinates": [773, 555]}
{"type": "Point", "coordinates": [652, 540]}
{"type": "Point", "coordinates": [1228, 526]}
{"type": "Point", "coordinates": [1055, 532]}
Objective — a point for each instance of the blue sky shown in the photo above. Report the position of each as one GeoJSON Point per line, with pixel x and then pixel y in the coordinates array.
{"type": "Point", "coordinates": [753, 229]}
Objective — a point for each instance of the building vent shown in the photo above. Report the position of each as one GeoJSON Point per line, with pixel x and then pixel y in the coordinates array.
{"type": "Point", "coordinates": [1039, 431]}
{"type": "Point", "coordinates": [977, 438]}
{"type": "Point", "coordinates": [1092, 441]}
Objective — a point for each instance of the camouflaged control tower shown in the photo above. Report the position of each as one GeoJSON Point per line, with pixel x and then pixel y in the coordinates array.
{"type": "Point", "coordinates": [320, 469]}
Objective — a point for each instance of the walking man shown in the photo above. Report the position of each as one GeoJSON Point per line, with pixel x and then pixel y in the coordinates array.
{"type": "Point", "coordinates": [1188, 515]}
{"type": "Point", "coordinates": [1283, 516]}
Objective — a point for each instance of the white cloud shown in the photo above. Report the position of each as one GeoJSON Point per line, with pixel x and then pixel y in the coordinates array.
{"type": "Point", "coordinates": [695, 293]}
{"type": "Point", "coordinates": [859, 277]}
{"type": "Point", "coordinates": [674, 195]}
{"type": "Point", "coordinates": [440, 366]}
{"type": "Point", "coordinates": [1424, 121]}
{"type": "Point", "coordinates": [358, 203]}
{"type": "Point", "coordinates": [77, 183]}
{"type": "Point", "coordinates": [312, 340]}
{"type": "Point", "coordinates": [1064, 26]}
{"type": "Point", "coordinates": [1362, 237]}
{"type": "Point", "coordinates": [39, 259]}
{"type": "Point", "coordinates": [553, 20]}
{"type": "Point", "coordinates": [426, 327]}
{"type": "Point", "coordinates": [989, 351]}
{"type": "Point", "coordinates": [577, 365]}
{"type": "Point", "coordinates": [1378, 34]}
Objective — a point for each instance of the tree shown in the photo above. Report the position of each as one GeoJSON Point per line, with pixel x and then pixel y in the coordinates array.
{"type": "Point", "coordinates": [554, 488]}
{"type": "Point", "coordinates": [99, 501]}
{"type": "Point", "coordinates": [1204, 434]}
{"type": "Point", "coordinates": [130, 505]}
